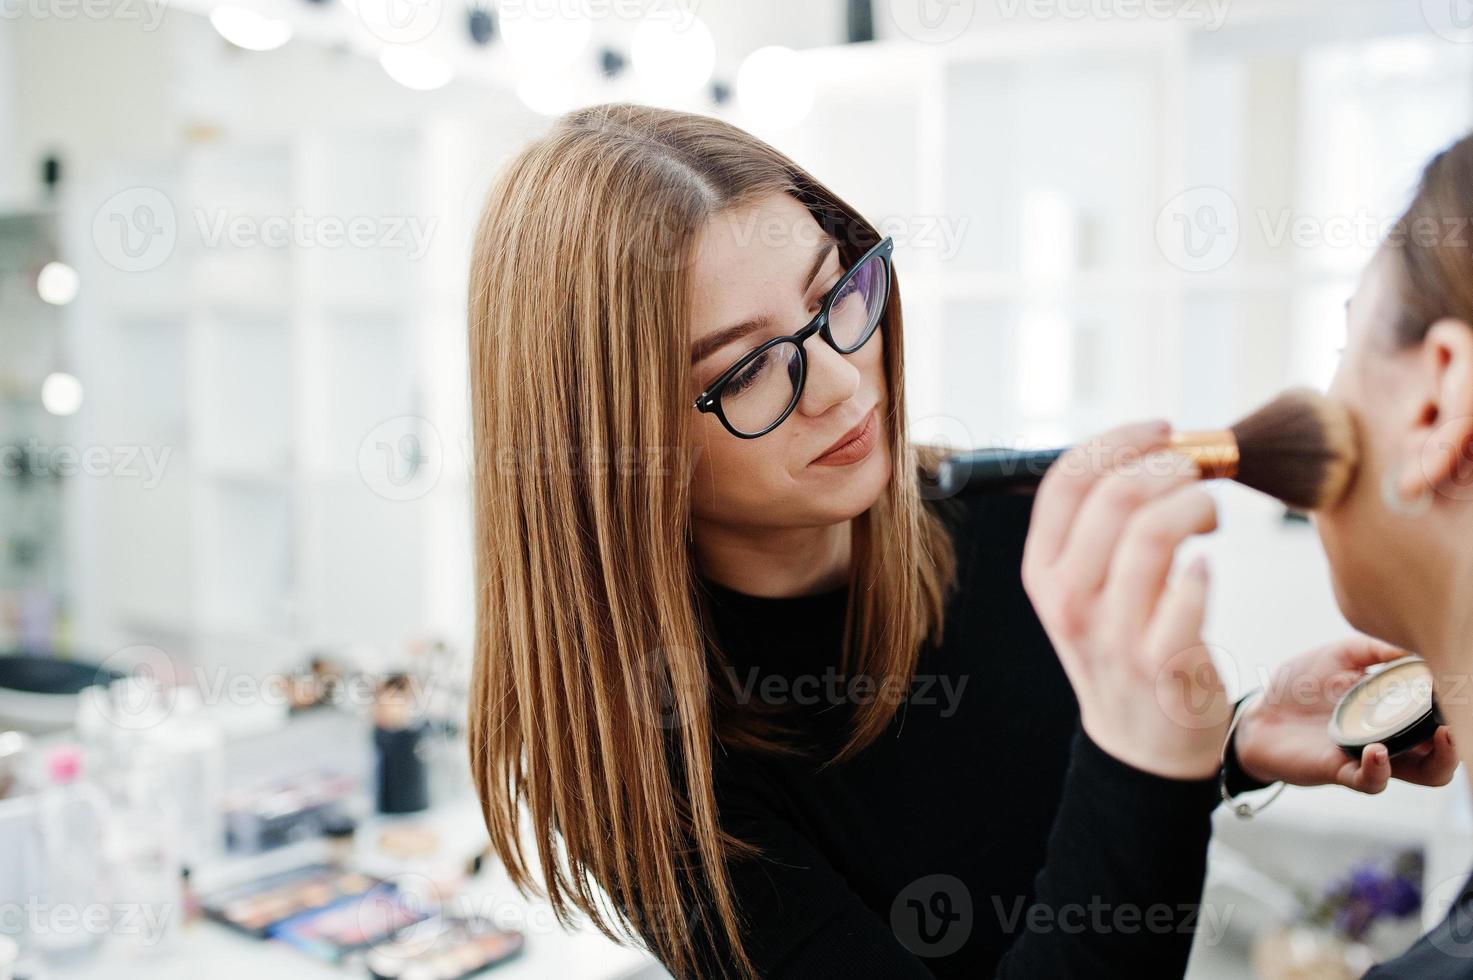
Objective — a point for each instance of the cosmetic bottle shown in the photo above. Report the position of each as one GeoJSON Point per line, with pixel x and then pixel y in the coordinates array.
{"type": "Point", "coordinates": [70, 917]}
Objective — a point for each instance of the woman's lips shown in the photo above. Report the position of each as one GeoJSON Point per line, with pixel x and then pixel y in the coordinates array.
{"type": "Point", "coordinates": [857, 446]}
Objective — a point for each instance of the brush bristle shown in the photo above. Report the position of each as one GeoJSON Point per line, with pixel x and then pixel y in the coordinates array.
{"type": "Point", "coordinates": [1300, 448]}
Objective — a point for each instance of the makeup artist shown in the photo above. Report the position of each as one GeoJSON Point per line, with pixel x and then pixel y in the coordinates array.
{"type": "Point", "coordinates": [737, 673]}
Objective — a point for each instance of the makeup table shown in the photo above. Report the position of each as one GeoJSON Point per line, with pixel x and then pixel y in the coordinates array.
{"type": "Point", "coordinates": [208, 948]}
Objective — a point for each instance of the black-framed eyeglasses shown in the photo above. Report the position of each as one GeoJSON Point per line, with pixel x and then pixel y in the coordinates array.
{"type": "Point", "coordinates": [759, 391]}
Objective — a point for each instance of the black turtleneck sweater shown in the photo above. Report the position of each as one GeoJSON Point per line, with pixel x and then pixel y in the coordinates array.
{"type": "Point", "coordinates": [983, 834]}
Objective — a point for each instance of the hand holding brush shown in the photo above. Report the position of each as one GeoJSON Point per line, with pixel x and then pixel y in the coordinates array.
{"type": "Point", "coordinates": [1300, 448]}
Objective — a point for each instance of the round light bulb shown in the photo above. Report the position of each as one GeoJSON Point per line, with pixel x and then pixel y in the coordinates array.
{"type": "Point", "coordinates": [61, 393]}
{"type": "Point", "coordinates": [415, 69]}
{"type": "Point", "coordinates": [670, 60]}
{"type": "Point", "coordinates": [57, 283]}
{"type": "Point", "coordinates": [246, 28]}
{"type": "Point", "coordinates": [775, 87]}
{"type": "Point", "coordinates": [545, 33]}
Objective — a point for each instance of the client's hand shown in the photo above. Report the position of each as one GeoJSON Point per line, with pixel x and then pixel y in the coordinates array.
{"type": "Point", "coordinates": [1282, 734]}
{"type": "Point", "coordinates": [1107, 521]}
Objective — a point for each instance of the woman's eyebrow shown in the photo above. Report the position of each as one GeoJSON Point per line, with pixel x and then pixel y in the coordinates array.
{"type": "Point", "coordinates": [717, 339]}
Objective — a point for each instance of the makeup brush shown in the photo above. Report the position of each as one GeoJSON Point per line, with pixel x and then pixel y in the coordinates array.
{"type": "Point", "coordinates": [1300, 448]}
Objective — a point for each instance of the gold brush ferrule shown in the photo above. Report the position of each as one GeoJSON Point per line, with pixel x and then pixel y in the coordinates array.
{"type": "Point", "coordinates": [1214, 451]}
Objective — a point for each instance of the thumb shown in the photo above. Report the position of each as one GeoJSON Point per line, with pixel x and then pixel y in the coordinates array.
{"type": "Point", "coordinates": [1372, 773]}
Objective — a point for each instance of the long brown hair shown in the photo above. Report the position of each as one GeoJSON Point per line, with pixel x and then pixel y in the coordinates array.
{"type": "Point", "coordinates": [596, 699]}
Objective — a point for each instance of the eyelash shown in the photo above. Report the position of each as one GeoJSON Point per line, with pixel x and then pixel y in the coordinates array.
{"type": "Point", "coordinates": [813, 306]}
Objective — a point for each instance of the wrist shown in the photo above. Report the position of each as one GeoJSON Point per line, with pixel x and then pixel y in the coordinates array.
{"type": "Point", "coordinates": [1167, 754]}
{"type": "Point", "coordinates": [1241, 762]}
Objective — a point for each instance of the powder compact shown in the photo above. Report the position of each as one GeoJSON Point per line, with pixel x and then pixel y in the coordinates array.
{"type": "Point", "coordinates": [1392, 705]}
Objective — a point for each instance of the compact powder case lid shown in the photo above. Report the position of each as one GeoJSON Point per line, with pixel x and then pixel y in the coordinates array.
{"type": "Point", "coordinates": [1393, 705]}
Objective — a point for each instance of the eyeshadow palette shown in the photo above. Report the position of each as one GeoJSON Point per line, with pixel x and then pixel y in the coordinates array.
{"type": "Point", "coordinates": [444, 949]}
{"type": "Point", "coordinates": [257, 907]}
{"type": "Point", "coordinates": [351, 924]}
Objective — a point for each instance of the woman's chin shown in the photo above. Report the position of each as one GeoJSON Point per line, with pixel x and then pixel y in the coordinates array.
{"type": "Point", "coordinates": [851, 490]}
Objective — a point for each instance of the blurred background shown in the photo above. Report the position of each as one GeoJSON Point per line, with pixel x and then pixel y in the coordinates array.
{"type": "Point", "coordinates": [234, 522]}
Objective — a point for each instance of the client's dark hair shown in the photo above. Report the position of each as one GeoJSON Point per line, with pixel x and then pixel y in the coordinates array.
{"type": "Point", "coordinates": [1432, 244]}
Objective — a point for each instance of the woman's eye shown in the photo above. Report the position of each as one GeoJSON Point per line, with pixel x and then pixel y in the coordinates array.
{"type": "Point", "coordinates": [747, 376]}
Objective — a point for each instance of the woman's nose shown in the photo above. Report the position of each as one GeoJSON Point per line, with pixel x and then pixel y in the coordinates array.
{"type": "Point", "coordinates": [832, 377]}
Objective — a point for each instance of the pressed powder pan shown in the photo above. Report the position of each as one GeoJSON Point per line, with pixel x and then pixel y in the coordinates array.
{"type": "Point", "coordinates": [1393, 706]}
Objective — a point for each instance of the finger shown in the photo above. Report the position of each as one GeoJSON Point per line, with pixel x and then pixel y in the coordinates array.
{"type": "Point", "coordinates": [1068, 480]}
{"type": "Point", "coordinates": [1432, 767]}
{"type": "Point", "coordinates": [1372, 773]}
{"type": "Point", "coordinates": [1178, 621]}
{"type": "Point", "coordinates": [1107, 510]}
{"type": "Point", "coordinates": [1187, 682]}
{"type": "Point", "coordinates": [1360, 652]}
{"type": "Point", "coordinates": [1147, 548]}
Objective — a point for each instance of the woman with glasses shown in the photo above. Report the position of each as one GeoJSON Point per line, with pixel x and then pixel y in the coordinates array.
{"type": "Point", "coordinates": [744, 693]}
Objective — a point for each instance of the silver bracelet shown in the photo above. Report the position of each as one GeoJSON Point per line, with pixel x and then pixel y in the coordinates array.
{"type": "Point", "coordinates": [1243, 811]}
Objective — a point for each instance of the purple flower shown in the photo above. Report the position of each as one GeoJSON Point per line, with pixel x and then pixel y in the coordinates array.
{"type": "Point", "coordinates": [1372, 892]}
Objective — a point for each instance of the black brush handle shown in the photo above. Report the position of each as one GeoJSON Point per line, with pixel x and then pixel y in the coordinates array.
{"type": "Point", "coordinates": [984, 470]}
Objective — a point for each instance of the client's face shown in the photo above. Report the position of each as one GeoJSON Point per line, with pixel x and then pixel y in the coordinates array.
{"type": "Point", "coordinates": [1382, 561]}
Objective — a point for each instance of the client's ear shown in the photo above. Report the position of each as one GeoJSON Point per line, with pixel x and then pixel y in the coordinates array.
{"type": "Point", "coordinates": [1445, 429]}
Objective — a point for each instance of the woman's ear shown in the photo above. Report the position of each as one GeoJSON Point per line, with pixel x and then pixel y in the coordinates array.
{"type": "Point", "coordinates": [1444, 429]}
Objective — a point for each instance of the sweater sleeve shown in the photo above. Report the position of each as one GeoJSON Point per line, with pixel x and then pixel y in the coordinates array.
{"type": "Point", "coordinates": [1121, 889]}
{"type": "Point", "coordinates": [1118, 894]}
